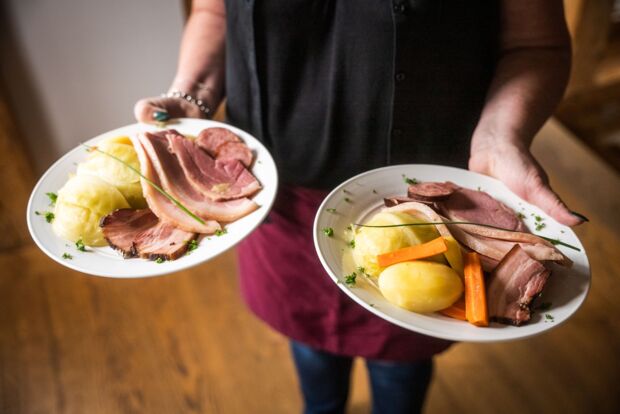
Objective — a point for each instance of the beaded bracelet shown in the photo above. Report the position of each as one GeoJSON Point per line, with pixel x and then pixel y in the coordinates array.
{"type": "Point", "coordinates": [175, 93]}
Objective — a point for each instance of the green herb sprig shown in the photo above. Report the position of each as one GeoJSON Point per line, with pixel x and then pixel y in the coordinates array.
{"type": "Point", "coordinates": [550, 240]}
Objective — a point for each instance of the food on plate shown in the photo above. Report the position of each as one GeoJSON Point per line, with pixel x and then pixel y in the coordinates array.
{"type": "Point", "coordinates": [167, 170]}
{"type": "Point", "coordinates": [420, 251]}
{"type": "Point", "coordinates": [373, 241]}
{"type": "Point", "coordinates": [222, 144]}
{"type": "Point", "coordinates": [516, 281]}
{"type": "Point", "coordinates": [475, 292]}
{"type": "Point", "coordinates": [152, 195]}
{"type": "Point", "coordinates": [420, 286]}
{"type": "Point", "coordinates": [113, 172]}
{"type": "Point", "coordinates": [429, 250]}
{"type": "Point", "coordinates": [81, 203]}
{"type": "Point", "coordinates": [139, 233]}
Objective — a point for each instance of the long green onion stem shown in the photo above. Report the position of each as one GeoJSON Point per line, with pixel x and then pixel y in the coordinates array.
{"type": "Point", "coordinates": [550, 240]}
{"type": "Point", "coordinates": [155, 186]}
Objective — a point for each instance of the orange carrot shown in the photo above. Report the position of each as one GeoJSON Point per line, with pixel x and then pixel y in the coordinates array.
{"type": "Point", "coordinates": [475, 294]}
{"type": "Point", "coordinates": [456, 310]}
{"type": "Point", "coordinates": [420, 251]}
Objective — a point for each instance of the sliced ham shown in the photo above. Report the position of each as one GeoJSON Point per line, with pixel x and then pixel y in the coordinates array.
{"type": "Point", "coordinates": [218, 180]}
{"type": "Point", "coordinates": [431, 191]}
{"type": "Point", "coordinates": [223, 144]}
{"type": "Point", "coordinates": [140, 233]}
{"type": "Point", "coordinates": [514, 283]}
{"type": "Point", "coordinates": [174, 181]}
{"type": "Point", "coordinates": [161, 206]}
{"type": "Point", "coordinates": [479, 207]}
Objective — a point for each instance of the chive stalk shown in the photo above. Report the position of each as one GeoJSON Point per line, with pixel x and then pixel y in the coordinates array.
{"type": "Point", "coordinates": [549, 239]}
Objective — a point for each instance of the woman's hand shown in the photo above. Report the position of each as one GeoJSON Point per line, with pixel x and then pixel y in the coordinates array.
{"type": "Point", "coordinates": [160, 109]}
{"type": "Point", "coordinates": [515, 166]}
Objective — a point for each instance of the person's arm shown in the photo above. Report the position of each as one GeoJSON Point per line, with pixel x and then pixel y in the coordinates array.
{"type": "Point", "coordinates": [201, 66]}
{"type": "Point", "coordinates": [530, 79]}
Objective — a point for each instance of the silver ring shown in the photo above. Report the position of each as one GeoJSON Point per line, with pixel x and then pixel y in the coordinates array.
{"type": "Point", "coordinates": [175, 93]}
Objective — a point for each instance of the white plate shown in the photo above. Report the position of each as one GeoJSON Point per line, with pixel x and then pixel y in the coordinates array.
{"type": "Point", "coordinates": [357, 199]}
{"type": "Point", "coordinates": [104, 261]}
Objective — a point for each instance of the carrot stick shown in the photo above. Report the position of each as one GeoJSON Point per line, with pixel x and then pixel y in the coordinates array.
{"type": "Point", "coordinates": [420, 251]}
{"type": "Point", "coordinates": [456, 310]}
{"type": "Point", "coordinates": [475, 295]}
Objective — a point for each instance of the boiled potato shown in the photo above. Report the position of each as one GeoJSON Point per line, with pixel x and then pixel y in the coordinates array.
{"type": "Point", "coordinates": [81, 203]}
{"type": "Point", "coordinates": [114, 172]}
{"type": "Point", "coordinates": [370, 242]}
{"type": "Point", "coordinates": [420, 286]}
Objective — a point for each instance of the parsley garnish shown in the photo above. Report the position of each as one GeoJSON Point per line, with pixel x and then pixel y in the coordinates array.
{"type": "Point", "coordinates": [374, 191]}
{"type": "Point", "coordinates": [220, 232]}
{"type": "Point", "coordinates": [346, 191]}
{"type": "Point", "coordinates": [331, 210]}
{"type": "Point", "coordinates": [361, 269]}
{"type": "Point", "coordinates": [67, 256]}
{"type": "Point", "coordinates": [352, 244]}
{"type": "Point", "coordinates": [350, 279]}
{"type": "Point", "coordinates": [159, 260]}
{"type": "Point", "coordinates": [410, 181]}
{"type": "Point", "coordinates": [328, 231]}
{"type": "Point", "coordinates": [520, 215]}
{"type": "Point", "coordinates": [80, 245]}
{"type": "Point", "coordinates": [347, 199]}
{"type": "Point", "coordinates": [53, 197]}
{"type": "Point", "coordinates": [350, 228]}
{"type": "Point", "coordinates": [540, 226]}
{"type": "Point", "coordinates": [549, 317]}
{"type": "Point", "coordinates": [192, 245]}
{"type": "Point", "coordinates": [49, 216]}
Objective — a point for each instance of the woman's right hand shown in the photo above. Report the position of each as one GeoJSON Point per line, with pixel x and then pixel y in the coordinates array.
{"type": "Point", "coordinates": [160, 109]}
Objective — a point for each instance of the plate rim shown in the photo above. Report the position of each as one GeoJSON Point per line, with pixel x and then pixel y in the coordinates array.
{"type": "Point", "coordinates": [163, 270]}
{"type": "Point", "coordinates": [422, 330]}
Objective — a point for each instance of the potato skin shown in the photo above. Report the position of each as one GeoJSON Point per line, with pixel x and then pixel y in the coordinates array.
{"type": "Point", "coordinates": [420, 286]}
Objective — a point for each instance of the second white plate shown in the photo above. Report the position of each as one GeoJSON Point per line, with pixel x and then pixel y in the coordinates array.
{"type": "Point", "coordinates": [357, 199]}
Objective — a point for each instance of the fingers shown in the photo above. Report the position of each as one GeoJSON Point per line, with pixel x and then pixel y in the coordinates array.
{"type": "Point", "coordinates": [543, 197]}
{"type": "Point", "coordinates": [153, 110]}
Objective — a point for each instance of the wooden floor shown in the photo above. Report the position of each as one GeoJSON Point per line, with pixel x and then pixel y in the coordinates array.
{"type": "Point", "coordinates": [184, 343]}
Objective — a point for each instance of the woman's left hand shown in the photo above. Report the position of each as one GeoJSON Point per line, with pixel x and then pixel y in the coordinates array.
{"type": "Point", "coordinates": [515, 166]}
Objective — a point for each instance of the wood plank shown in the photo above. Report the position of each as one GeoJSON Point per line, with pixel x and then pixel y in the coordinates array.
{"type": "Point", "coordinates": [17, 179]}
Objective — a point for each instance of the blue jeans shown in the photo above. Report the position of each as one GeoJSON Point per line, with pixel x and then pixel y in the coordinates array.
{"type": "Point", "coordinates": [397, 387]}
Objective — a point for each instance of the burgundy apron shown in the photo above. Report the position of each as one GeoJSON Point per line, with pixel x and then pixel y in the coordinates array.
{"type": "Point", "coordinates": [284, 284]}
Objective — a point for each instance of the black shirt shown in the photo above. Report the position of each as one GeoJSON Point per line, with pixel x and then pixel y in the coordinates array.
{"type": "Point", "coordinates": [335, 88]}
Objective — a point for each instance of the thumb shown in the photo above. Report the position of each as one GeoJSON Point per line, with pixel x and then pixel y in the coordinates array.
{"type": "Point", "coordinates": [545, 198]}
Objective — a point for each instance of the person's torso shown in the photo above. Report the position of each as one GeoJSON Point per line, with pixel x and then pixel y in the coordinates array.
{"type": "Point", "coordinates": [334, 88]}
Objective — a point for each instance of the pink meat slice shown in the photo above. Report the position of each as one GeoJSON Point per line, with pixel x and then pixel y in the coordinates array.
{"type": "Point", "coordinates": [431, 191]}
{"type": "Point", "coordinates": [235, 151]}
{"type": "Point", "coordinates": [480, 207]}
{"type": "Point", "coordinates": [121, 227]}
{"type": "Point", "coordinates": [211, 139]}
{"type": "Point", "coordinates": [218, 180]}
{"type": "Point", "coordinates": [514, 283]}
{"type": "Point", "coordinates": [141, 233]}
{"type": "Point", "coordinates": [223, 144]}
{"type": "Point", "coordinates": [175, 182]}
{"type": "Point", "coordinates": [161, 206]}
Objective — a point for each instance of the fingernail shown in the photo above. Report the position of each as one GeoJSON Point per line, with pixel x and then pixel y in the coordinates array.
{"type": "Point", "coordinates": [578, 215]}
{"type": "Point", "coordinates": [161, 116]}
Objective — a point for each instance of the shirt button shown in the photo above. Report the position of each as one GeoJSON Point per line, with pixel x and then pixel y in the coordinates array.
{"type": "Point", "coordinates": [399, 8]}
{"type": "Point", "coordinates": [400, 76]}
